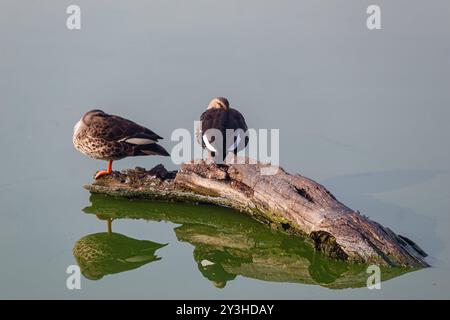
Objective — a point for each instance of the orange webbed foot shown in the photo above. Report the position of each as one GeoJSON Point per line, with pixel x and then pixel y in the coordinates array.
{"type": "Point", "coordinates": [101, 174]}
{"type": "Point", "coordinates": [104, 172]}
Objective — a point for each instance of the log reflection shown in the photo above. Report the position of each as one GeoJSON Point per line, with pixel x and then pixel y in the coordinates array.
{"type": "Point", "coordinates": [228, 244]}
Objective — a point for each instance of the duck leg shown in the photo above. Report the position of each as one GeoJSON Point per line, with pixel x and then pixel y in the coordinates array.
{"type": "Point", "coordinates": [109, 224]}
{"type": "Point", "coordinates": [105, 172]}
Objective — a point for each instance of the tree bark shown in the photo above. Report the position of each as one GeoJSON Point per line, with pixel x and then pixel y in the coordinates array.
{"type": "Point", "coordinates": [289, 202]}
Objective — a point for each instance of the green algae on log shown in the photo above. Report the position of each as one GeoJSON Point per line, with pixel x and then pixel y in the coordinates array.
{"type": "Point", "coordinates": [292, 203]}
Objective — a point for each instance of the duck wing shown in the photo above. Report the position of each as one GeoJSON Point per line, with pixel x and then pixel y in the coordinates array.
{"type": "Point", "coordinates": [236, 121]}
{"type": "Point", "coordinates": [211, 119]}
{"type": "Point", "coordinates": [115, 128]}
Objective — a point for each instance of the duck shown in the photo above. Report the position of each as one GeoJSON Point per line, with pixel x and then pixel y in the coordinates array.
{"type": "Point", "coordinates": [222, 118]}
{"type": "Point", "coordinates": [109, 137]}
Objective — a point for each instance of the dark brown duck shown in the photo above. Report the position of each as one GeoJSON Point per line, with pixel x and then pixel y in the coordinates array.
{"type": "Point", "coordinates": [230, 123]}
{"type": "Point", "coordinates": [108, 137]}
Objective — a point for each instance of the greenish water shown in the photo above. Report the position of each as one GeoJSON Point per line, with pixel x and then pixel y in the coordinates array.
{"type": "Point", "coordinates": [365, 113]}
{"type": "Point", "coordinates": [226, 245]}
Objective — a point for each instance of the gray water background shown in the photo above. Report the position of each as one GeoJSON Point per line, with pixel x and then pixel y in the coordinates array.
{"type": "Point", "coordinates": [363, 112]}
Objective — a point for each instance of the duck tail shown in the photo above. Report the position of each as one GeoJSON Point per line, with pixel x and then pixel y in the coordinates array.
{"type": "Point", "coordinates": [151, 149]}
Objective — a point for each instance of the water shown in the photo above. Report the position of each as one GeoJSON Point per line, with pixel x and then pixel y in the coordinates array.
{"type": "Point", "coordinates": [362, 112]}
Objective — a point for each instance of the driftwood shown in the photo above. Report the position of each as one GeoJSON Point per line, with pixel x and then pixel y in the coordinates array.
{"type": "Point", "coordinates": [291, 203]}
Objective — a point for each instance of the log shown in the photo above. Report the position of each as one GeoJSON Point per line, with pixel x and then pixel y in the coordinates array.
{"type": "Point", "coordinates": [288, 202]}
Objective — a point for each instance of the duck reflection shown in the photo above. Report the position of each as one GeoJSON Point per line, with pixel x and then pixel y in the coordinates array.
{"type": "Point", "coordinates": [105, 253]}
{"type": "Point", "coordinates": [228, 244]}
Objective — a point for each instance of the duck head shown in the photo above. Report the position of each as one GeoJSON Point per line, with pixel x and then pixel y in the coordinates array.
{"type": "Point", "coordinates": [219, 103]}
{"type": "Point", "coordinates": [86, 120]}
{"type": "Point", "coordinates": [88, 116]}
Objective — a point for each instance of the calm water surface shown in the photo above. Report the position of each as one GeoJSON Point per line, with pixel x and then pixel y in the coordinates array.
{"type": "Point", "coordinates": [364, 113]}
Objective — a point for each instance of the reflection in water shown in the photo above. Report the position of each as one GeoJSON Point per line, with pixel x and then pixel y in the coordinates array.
{"type": "Point", "coordinates": [106, 253]}
{"type": "Point", "coordinates": [223, 254]}
{"type": "Point", "coordinates": [228, 244]}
